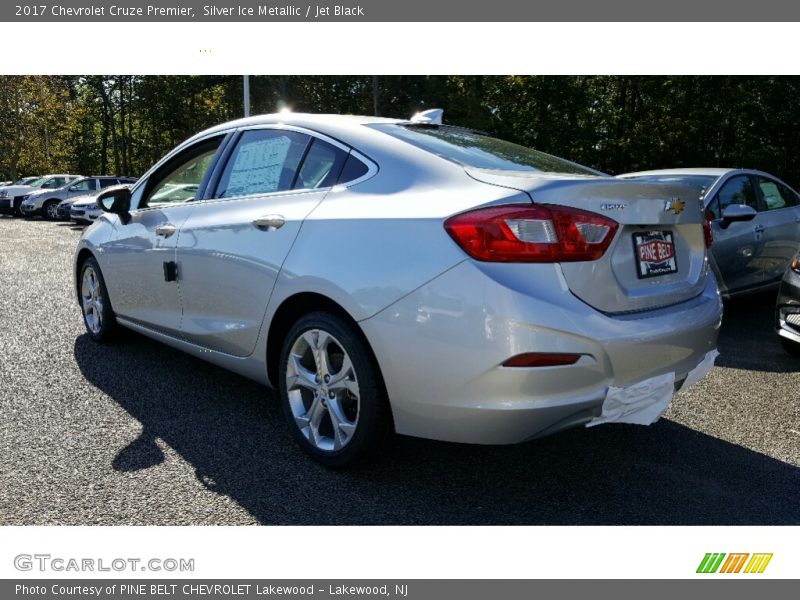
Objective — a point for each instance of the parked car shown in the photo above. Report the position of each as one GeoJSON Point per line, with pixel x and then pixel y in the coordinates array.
{"type": "Point", "coordinates": [404, 275]}
{"type": "Point", "coordinates": [746, 256]}
{"type": "Point", "coordinates": [11, 197]}
{"type": "Point", "coordinates": [64, 208]}
{"type": "Point", "coordinates": [84, 210]}
{"type": "Point", "coordinates": [787, 310]}
{"type": "Point", "coordinates": [45, 202]}
{"type": "Point", "coordinates": [6, 196]}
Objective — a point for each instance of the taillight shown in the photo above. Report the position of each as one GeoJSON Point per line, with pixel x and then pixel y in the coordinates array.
{"type": "Point", "coordinates": [531, 233]}
{"type": "Point", "coordinates": [708, 235]}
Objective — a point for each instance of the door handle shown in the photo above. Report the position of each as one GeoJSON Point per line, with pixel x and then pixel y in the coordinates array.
{"type": "Point", "coordinates": [165, 230]}
{"type": "Point", "coordinates": [269, 222]}
{"type": "Point", "coordinates": [759, 228]}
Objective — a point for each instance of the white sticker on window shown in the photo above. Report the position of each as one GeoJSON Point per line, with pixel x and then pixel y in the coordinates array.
{"type": "Point", "coordinates": [258, 167]}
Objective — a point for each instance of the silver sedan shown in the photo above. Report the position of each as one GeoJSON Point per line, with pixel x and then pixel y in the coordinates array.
{"type": "Point", "coordinates": [407, 276]}
{"type": "Point", "coordinates": [746, 256]}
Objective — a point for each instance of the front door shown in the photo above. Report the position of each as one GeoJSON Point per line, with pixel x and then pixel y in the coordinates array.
{"type": "Point", "coordinates": [141, 278]}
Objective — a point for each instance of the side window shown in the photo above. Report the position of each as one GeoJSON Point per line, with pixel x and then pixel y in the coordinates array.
{"type": "Point", "coordinates": [179, 179]}
{"type": "Point", "coordinates": [87, 185]}
{"type": "Point", "coordinates": [775, 195]}
{"type": "Point", "coordinates": [737, 190]}
{"type": "Point", "coordinates": [264, 161]}
{"type": "Point", "coordinates": [320, 167]}
{"type": "Point", "coordinates": [107, 182]}
{"type": "Point", "coordinates": [353, 169]}
{"type": "Point", "coordinates": [50, 184]}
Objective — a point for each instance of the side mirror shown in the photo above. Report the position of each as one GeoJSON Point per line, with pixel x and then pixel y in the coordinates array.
{"type": "Point", "coordinates": [737, 212]}
{"type": "Point", "coordinates": [115, 200]}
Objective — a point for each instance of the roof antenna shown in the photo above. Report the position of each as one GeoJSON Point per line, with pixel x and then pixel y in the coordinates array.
{"type": "Point", "coordinates": [432, 116]}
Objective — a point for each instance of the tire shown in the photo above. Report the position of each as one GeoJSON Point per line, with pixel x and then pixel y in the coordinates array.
{"type": "Point", "coordinates": [341, 420]}
{"type": "Point", "coordinates": [49, 210]}
{"type": "Point", "coordinates": [94, 302]}
{"type": "Point", "coordinates": [17, 210]}
{"type": "Point", "coordinates": [791, 348]}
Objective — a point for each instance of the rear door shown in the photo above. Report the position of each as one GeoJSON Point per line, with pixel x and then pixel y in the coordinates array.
{"type": "Point", "coordinates": [738, 247]}
{"type": "Point", "coordinates": [780, 218]}
{"type": "Point", "coordinates": [234, 243]}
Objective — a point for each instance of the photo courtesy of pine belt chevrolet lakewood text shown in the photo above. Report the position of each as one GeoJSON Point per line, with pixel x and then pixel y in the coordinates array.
{"type": "Point", "coordinates": [407, 276]}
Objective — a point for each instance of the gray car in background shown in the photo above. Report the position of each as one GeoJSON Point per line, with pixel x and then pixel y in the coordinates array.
{"type": "Point", "coordinates": [407, 276]}
{"type": "Point", "coordinates": [748, 255]}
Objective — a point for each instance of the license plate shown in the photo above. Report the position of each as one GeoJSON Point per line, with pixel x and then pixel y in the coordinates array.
{"type": "Point", "coordinates": [655, 253]}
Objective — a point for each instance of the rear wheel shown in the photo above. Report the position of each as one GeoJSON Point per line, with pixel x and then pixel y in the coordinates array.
{"type": "Point", "coordinates": [98, 316]}
{"type": "Point", "coordinates": [791, 348]}
{"type": "Point", "coordinates": [50, 210]}
{"type": "Point", "coordinates": [332, 393]}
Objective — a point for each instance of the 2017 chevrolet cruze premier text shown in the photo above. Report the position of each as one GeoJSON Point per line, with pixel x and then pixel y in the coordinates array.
{"type": "Point", "coordinates": [407, 276]}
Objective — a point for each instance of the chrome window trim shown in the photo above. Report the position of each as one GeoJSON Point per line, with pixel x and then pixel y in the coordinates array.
{"type": "Point", "coordinates": [372, 166]}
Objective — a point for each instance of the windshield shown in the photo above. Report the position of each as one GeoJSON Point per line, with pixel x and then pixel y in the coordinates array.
{"type": "Point", "coordinates": [699, 181]}
{"type": "Point", "coordinates": [31, 182]}
{"type": "Point", "coordinates": [473, 149]}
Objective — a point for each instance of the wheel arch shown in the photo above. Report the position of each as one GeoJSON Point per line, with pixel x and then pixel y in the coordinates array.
{"type": "Point", "coordinates": [82, 256]}
{"type": "Point", "coordinates": [289, 311]}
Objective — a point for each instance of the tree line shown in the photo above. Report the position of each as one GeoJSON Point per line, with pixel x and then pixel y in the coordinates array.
{"type": "Point", "coordinates": [122, 124]}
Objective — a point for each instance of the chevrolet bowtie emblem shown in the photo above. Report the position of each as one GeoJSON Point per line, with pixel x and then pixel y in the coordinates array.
{"type": "Point", "coordinates": [675, 206]}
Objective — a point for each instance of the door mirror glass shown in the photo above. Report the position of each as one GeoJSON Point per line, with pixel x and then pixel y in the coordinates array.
{"type": "Point", "coordinates": [737, 212]}
{"type": "Point", "coordinates": [115, 200]}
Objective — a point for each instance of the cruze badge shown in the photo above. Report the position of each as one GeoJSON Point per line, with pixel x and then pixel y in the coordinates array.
{"type": "Point", "coordinates": [675, 206]}
{"type": "Point", "coordinates": [612, 207]}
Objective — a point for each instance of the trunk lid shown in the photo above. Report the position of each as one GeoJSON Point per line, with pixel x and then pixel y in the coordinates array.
{"type": "Point", "coordinates": [658, 255]}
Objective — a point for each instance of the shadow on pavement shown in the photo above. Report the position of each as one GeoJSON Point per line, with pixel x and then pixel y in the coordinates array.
{"type": "Point", "coordinates": [232, 432]}
{"type": "Point", "coordinates": [748, 340]}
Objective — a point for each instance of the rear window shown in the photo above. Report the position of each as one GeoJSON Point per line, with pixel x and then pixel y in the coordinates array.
{"type": "Point", "coordinates": [473, 149]}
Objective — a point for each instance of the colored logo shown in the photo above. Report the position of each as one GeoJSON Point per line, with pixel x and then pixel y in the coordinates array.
{"type": "Point", "coordinates": [741, 562]}
{"type": "Point", "coordinates": [675, 206]}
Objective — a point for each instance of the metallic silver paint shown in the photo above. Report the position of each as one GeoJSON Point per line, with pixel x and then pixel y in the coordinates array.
{"type": "Point", "coordinates": [440, 324]}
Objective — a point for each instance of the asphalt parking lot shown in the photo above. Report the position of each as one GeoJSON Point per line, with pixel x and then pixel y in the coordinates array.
{"type": "Point", "coordinates": [137, 433]}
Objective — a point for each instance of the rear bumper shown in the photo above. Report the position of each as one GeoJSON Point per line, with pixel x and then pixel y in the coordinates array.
{"type": "Point", "coordinates": [442, 347]}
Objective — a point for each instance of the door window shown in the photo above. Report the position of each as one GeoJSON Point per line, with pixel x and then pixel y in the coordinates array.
{"type": "Point", "coordinates": [264, 161]}
{"type": "Point", "coordinates": [321, 166]}
{"type": "Point", "coordinates": [87, 185]}
{"type": "Point", "coordinates": [775, 195]}
{"type": "Point", "coordinates": [737, 190]}
{"type": "Point", "coordinates": [180, 179]}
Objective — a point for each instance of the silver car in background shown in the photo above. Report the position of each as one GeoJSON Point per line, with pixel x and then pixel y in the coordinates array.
{"type": "Point", "coordinates": [407, 276]}
{"type": "Point", "coordinates": [748, 255]}
{"type": "Point", "coordinates": [11, 197]}
{"type": "Point", "coordinates": [44, 203]}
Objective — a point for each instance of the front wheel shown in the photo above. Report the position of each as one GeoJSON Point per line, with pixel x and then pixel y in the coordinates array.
{"type": "Point", "coordinates": [332, 393]}
{"type": "Point", "coordinates": [98, 316]}
{"type": "Point", "coordinates": [50, 210]}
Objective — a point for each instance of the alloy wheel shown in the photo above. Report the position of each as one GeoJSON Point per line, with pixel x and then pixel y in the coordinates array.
{"type": "Point", "coordinates": [322, 390]}
{"type": "Point", "coordinates": [92, 300]}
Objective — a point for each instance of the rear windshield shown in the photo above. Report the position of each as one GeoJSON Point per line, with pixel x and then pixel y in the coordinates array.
{"type": "Point", "coordinates": [473, 149]}
{"type": "Point", "coordinates": [699, 181]}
